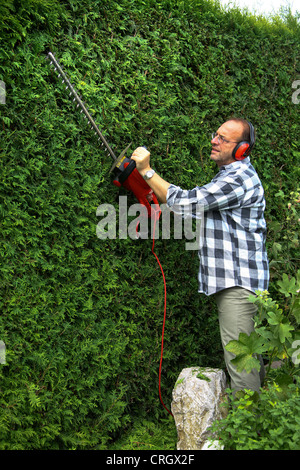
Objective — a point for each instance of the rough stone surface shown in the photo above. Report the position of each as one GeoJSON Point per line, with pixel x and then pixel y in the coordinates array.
{"type": "Point", "coordinates": [196, 400]}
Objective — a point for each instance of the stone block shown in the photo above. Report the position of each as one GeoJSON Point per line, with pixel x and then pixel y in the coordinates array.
{"type": "Point", "coordinates": [197, 397]}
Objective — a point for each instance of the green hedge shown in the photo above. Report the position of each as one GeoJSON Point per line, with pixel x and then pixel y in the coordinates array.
{"type": "Point", "coordinates": [82, 317]}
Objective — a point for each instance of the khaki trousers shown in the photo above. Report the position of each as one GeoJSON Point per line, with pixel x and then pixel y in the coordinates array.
{"type": "Point", "coordinates": [236, 316]}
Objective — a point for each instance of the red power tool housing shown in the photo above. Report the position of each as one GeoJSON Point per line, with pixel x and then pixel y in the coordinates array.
{"type": "Point", "coordinates": [127, 175]}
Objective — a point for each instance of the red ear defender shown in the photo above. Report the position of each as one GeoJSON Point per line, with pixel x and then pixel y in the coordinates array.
{"type": "Point", "coordinates": [243, 149]}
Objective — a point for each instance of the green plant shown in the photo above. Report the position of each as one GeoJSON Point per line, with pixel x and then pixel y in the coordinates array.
{"type": "Point", "coordinates": [276, 332]}
{"type": "Point", "coordinates": [269, 421]}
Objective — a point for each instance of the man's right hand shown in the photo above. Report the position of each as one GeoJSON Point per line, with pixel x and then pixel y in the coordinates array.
{"type": "Point", "coordinates": [141, 156]}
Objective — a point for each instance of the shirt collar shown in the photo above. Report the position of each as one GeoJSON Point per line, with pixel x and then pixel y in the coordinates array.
{"type": "Point", "coordinates": [235, 165]}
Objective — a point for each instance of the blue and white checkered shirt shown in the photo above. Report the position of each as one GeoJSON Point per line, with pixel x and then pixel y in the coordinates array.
{"type": "Point", "coordinates": [232, 252]}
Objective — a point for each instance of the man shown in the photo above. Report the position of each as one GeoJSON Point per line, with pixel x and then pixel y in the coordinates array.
{"type": "Point", "coordinates": [233, 258]}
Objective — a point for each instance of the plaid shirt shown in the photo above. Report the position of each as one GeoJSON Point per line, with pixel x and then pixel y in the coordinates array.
{"type": "Point", "coordinates": [232, 251]}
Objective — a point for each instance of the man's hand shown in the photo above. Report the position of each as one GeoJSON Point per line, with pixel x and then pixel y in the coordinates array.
{"type": "Point", "coordinates": [142, 158]}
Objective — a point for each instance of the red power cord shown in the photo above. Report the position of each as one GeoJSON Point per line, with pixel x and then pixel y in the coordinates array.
{"type": "Point", "coordinates": [156, 217]}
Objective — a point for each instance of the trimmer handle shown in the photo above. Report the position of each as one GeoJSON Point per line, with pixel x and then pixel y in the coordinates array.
{"type": "Point", "coordinates": [135, 183]}
{"type": "Point", "coordinates": [128, 169]}
{"type": "Point", "coordinates": [129, 177]}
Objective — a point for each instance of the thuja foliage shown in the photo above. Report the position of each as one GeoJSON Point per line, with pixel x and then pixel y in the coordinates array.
{"type": "Point", "coordinates": [81, 317]}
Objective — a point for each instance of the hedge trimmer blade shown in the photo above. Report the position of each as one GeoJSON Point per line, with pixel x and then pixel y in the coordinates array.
{"type": "Point", "coordinates": [64, 78]}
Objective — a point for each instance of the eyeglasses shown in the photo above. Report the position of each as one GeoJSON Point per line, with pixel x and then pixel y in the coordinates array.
{"type": "Point", "coordinates": [221, 139]}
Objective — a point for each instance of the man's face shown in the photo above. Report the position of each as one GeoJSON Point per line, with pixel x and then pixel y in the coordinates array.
{"type": "Point", "coordinates": [221, 152]}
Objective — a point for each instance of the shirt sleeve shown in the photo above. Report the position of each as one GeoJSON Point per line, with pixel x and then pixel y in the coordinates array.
{"type": "Point", "coordinates": [217, 195]}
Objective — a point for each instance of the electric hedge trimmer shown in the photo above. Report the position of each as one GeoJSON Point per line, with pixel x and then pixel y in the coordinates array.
{"type": "Point", "coordinates": [123, 168]}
